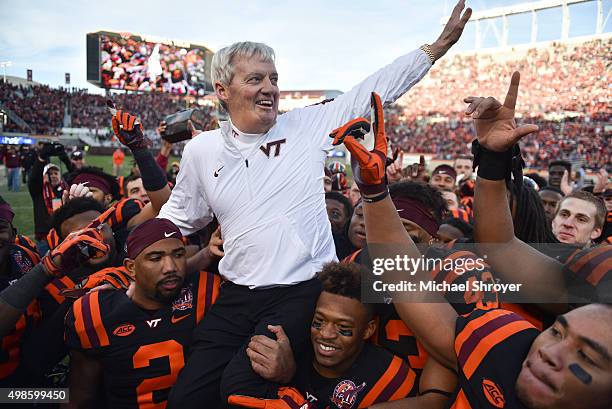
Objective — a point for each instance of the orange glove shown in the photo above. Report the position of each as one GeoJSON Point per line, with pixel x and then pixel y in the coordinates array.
{"type": "Point", "coordinates": [116, 277]}
{"type": "Point", "coordinates": [128, 130]}
{"type": "Point", "coordinates": [74, 251]}
{"type": "Point", "coordinates": [288, 398]}
{"type": "Point", "coordinates": [78, 247]}
{"type": "Point", "coordinates": [368, 166]}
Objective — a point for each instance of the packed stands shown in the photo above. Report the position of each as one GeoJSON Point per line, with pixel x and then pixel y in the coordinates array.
{"type": "Point", "coordinates": [564, 89]}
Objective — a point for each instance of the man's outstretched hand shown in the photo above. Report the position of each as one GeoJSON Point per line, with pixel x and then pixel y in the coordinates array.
{"type": "Point", "coordinates": [128, 130]}
{"type": "Point", "coordinates": [368, 166]}
{"type": "Point", "coordinates": [495, 126]}
{"type": "Point", "coordinates": [452, 30]}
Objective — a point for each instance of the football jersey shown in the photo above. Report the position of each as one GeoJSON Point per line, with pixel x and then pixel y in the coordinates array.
{"type": "Point", "coordinates": [141, 352]}
{"type": "Point", "coordinates": [21, 260]}
{"type": "Point", "coordinates": [484, 342]}
{"type": "Point", "coordinates": [588, 275]}
{"type": "Point", "coordinates": [394, 335]}
{"type": "Point", "coordinates": [375, 376]}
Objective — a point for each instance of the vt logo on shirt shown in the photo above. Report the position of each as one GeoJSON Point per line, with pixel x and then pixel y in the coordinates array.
{"type": "Point", "coordinates": [269, 146]}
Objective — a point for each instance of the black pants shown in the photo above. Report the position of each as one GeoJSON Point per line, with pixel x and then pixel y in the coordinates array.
{"type": "Point", "coordinates": [218, 366]}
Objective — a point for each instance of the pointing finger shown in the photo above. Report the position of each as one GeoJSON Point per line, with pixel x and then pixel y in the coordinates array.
{"type": "Point", "coordinates": [510, 101]}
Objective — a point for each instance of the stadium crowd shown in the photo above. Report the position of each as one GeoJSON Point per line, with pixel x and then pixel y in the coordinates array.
{"type": "Point", "coordinates": [254, 278]}
{"type": "Point", "coordinates": [567, 96]}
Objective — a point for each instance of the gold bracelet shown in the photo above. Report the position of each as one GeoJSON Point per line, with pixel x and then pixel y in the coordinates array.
{"type": "Point", "coordinates": [427, 50]}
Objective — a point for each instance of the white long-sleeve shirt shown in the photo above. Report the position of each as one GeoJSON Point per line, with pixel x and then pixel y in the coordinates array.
{"type": "Point", "coordinates": [270, 200]}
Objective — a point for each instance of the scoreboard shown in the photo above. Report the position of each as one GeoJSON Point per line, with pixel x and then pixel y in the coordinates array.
{"type": "Point", "coordinates": [127, 61]}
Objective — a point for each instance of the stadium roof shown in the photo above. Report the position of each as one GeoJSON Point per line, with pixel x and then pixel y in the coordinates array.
{"type": "Point", "coordinates": [18, 81]}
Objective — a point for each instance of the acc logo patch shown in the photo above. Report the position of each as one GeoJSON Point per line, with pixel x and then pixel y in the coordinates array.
{"type": "Point", "coordinates": [345, 394]}
{"type": "Point", "coordinates": [184, 301]}
{"type": "Point", "coordinates": [124, 330]}
{"type": "Point", "coordinates": [493, 393]}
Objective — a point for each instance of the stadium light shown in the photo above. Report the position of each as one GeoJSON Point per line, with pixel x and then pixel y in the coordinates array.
{"type": "Point", "coordinates": [5, 64]}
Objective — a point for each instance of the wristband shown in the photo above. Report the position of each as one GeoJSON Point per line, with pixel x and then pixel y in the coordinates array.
{"type": "Point", "coordinates": [375, 199]}
{"type": "Point", "coordinates": [153, 177]}
{"type": "Point", "coordinates": [497, 165]}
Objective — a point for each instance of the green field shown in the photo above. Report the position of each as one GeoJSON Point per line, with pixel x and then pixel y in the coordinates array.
{"type": "Point", "coordinates": [22, 203]}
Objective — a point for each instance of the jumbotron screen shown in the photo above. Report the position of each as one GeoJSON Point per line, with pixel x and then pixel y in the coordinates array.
{"type": "Point", "coordinates": [141, 63]}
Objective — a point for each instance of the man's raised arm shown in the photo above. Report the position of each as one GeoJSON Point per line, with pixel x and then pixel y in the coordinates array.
{"type": "Point", "coordinates": [390, 82]}
{"type": "Point", "coordinates": [513, 260]}
{"type": "Point", "coordinates": [387, 238]}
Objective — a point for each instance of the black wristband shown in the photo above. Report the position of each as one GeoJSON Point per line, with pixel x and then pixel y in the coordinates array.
{"type": "Point", "coordinates": [496, 165]}
{"type": "Point", "coordinates": [153, 177]}
{"type": "Point", "coordinates": [376, 198]}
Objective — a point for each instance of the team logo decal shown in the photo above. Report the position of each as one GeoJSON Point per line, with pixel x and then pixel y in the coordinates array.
{"type": "Point", "coordinates": [184, 301]}
{"type": "Point", "coordinates": [345, 394]}
{"type": "Point", "coordinates": [23, 263]}
{"type": "Point", "coordinates": [493, 393]}
{"type": "Point", "coordinates": [124, 330]}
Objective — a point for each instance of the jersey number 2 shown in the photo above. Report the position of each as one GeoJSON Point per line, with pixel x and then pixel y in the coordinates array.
{"type": "Point", "coordinates": [171, 349]}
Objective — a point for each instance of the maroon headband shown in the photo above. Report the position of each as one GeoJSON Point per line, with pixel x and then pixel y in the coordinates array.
{"type": "Point", "coordinates": [149, 232]}
{"type": "Point", "coordinates": [415, 211]}
{"type": "Point", "coordinates": [93, 181]}
{"type": "Point", "coordinates": [6, 212]}
{"type": "Point", "coordinates": [445, 170]}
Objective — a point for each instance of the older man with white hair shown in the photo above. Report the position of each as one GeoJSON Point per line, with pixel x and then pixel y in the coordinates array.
{"type": "Point", "coordinates": [276, 232]}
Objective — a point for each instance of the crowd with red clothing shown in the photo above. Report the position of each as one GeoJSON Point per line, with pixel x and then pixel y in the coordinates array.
{"type": "Point", "coordinates": [471, 285]}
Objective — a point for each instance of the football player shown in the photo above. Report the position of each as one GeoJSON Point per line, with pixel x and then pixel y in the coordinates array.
{"type": "Point", "coordinates": [345, 370]}
{"type": "Point", "coordinates": [136, 342]}
{"type": "Point", "coordinates": [501, 359]}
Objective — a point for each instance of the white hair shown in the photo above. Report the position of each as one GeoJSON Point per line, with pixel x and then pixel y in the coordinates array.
{"type": "Point", "coordinates": [222, 66]}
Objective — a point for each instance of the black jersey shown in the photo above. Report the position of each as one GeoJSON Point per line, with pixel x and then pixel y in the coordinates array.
{"type": "Point", "coordinates": [141, 352]}
{"type": "Point", "coordinates": [394, 335]}
{"type": "Point", "coordinates": [484, 342]}
{"type": "Point", "coordinates": [376, 376]}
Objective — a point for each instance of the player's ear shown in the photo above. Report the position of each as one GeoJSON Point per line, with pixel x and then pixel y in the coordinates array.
{"type": "Point", "coordinates": [108, 199]}
{"type": "Point", "coordinates": [370, 329]}
{"type": "Point", "coordinates": [595, 233]}
{"type": "Point", "coordinates": [129, 264]}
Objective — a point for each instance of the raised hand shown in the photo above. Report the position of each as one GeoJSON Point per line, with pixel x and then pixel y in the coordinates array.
{"type": "Point", "coordinates": [417, 171]}
{"type": "Point", "coordinates": [566, 186]}
{"type": "Point", "coordinates": [394, 171]}
{"type": "Point", "coordinates": [368, 166]}
{"type": "Point", "coordinates": [601, 181]}
{"type": "Point", "coordinates": [128, 130]}
{"type": "Point", "coordinates": [76, 190]}
{"type": "Point", "coordinates": [452, 30]}
{"type": "Point", "coordinates": [495, 126]}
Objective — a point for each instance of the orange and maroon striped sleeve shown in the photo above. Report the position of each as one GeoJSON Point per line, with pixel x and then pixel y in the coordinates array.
{"type": "Point", "coordinates": [55, 287]}
{"type": "Point", "coordinates": [85, 321]}
{"type": "Point", "coordinates": [482, 333]}
{"type": "Point", "coordinates": [396, 382]}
